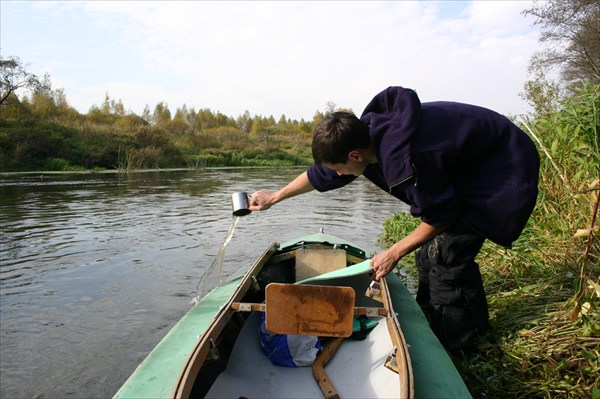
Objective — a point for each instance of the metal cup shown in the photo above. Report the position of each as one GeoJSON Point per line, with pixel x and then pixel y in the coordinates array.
{"type": "Point", "coordinates": [240, 202]}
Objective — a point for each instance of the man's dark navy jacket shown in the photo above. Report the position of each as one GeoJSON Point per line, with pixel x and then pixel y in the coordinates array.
{"type": "Point", "coordinates": [449, 162]}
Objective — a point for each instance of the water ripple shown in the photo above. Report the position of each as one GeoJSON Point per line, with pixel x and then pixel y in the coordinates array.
{"type": "Point", "coordinates": [95, 269]}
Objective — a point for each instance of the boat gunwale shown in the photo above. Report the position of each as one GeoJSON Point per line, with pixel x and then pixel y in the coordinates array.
{"type": "Point", "coordinates": [192, 366]}
{"type": "Point", "coordinates": [402, 354]}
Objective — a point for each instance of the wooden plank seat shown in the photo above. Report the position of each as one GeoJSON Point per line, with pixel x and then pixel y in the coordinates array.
{"type": "Point", "coordinates": [326, 311]}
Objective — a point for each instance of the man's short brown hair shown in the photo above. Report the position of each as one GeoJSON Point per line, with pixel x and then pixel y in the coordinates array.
{"type": "Point", "coordinates": [337, 135]}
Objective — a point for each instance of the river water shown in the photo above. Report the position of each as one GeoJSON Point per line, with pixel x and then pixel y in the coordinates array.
{"type": "Point", "coordinates": [96, 268]}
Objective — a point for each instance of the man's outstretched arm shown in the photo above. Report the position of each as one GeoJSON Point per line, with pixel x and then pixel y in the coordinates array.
{"type": "Point", "coordinates": [264, 199]}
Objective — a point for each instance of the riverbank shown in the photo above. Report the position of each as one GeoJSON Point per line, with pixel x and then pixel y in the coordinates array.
{"type": "Point", "coordinates": [542, 343]}
{"type": "Point", "coordinates": [544, 292]}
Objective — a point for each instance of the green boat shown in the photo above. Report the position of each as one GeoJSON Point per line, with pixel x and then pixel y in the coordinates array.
{"type": "Point", "coordinates": [371, 338]}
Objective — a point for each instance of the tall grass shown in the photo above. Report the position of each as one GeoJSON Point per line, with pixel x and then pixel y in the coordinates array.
{"type": "Point", "coordinates": [544, 292]}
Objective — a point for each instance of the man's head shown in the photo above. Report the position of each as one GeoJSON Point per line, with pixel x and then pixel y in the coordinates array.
{"type": "Point", "coordinates": [336, 136]}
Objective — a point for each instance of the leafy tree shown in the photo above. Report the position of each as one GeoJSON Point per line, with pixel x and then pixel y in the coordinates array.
{"type": "Point", "coordinates": [570, 29]}
{"type": "Point", "coordinates": [180, 122]}
{"type": "Point", "coordinates": [205, 119]}
{"type": "Point", "coordinates": [244, 122]}
{"type": "Point", "coordinates": [48, 103]}
{"type": "Point", "coordinates": [162, 115]}
{"type": "Point", "coordinates": [14, 76]}
{"type": "Point", "coordinates": [224, 120]}
{"type": "Point", "coordinates": [146, 114]}
{"type": "Point", "coordinates": [108, 113]}
{"type": "Point", "coordinates": [542, 94]}
{"type": "Point", "coordinates": [190, 117]}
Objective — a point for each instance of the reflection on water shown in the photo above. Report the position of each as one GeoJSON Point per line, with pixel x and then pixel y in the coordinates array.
{"type": "Point", "coordinates": [95, 268]}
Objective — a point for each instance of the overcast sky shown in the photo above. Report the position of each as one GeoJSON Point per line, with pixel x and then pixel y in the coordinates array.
{"type": "Point", "coordinates": [273, 58]}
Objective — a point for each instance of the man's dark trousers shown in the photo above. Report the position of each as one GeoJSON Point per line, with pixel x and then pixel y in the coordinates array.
{"type": "Point", "coordinates": [450, 287]}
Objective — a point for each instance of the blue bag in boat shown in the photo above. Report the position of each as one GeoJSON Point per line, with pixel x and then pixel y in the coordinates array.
{"type": "Point", "coordinates": [289, 350]}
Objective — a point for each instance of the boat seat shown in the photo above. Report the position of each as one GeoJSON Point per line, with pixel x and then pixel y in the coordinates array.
{"type": "Point", "coordinates": [311, 262]}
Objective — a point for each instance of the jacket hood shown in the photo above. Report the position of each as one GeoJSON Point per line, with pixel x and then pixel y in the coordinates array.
{"type": "Point", "coordinates": [393, 117]}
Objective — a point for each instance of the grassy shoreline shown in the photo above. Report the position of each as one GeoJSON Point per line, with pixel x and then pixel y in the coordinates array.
{"type": "Point", "coordinates": [539, 345]}
{"type": "Point", "coordinates": [544, 292]}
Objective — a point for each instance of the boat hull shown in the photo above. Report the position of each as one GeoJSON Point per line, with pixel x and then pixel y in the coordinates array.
{"type": "Point", "coordinates": [195, 358]}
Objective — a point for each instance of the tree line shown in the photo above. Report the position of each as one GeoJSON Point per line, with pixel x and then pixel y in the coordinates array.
{"type": "Point", "coordinates": [41, 131]}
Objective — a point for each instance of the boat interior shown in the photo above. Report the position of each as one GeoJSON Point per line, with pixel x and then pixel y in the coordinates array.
{"type": "Point", "coordinates": [236, 367]}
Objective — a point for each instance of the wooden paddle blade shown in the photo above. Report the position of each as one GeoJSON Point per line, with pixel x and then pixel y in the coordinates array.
{"type": "Point", "coordinates": [309, 310]}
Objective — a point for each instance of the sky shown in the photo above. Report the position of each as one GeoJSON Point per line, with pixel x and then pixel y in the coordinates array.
{"type": "Point", "coordinates": [276, 58]}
